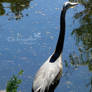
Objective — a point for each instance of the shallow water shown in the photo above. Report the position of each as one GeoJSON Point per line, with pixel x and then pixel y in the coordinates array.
{"type": "Point", "coordinates": [28, 35]}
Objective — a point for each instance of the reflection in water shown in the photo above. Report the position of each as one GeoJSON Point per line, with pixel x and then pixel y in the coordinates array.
{"type": "Point", "coordinates": [83, 59]}
{"type": "Point", "coordinates": [2, 10]}
{"type": "Point", "coordinates": [13, 53]}
{"type": "Point", "coordinates": [90, 85]}
{"type": "Point", "coordinates": [83, 35]}
{"type": "Point", "coordinates": [16, 7]}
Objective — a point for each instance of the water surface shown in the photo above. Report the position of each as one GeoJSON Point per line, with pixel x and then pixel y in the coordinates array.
{"type": "Point", "coordinates": [28, 35]}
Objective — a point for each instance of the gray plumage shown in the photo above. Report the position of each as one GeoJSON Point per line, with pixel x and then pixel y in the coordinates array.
{"type": "Point", "coordinates": [49, 74]}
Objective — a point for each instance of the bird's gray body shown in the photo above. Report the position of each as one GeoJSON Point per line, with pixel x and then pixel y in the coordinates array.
{"type": "Point", "coordinates": [48, 75]}
{"type": "Point", "coordinates": [50, 72]}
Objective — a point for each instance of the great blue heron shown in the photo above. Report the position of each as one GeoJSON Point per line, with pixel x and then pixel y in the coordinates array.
{"type": "Point", "coordinates": [49, 74]}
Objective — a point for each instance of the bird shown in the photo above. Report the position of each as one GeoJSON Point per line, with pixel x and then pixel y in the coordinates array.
{"type": "Point", "coordinates": [50, 73]}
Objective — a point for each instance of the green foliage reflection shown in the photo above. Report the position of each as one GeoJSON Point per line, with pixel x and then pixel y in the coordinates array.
{"type": "Point", "coordinates": [15, 6]}
{"type": "Point", "coordinates": [83, 34]}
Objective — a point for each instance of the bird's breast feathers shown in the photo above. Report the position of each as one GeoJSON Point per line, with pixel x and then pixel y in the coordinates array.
{"type": "Point", "coordinates": [47, 74]}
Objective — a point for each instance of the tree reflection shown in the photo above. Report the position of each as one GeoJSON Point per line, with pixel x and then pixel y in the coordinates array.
{"type": "Point", "coordinates": [83, 59]}
{"type": "Point", "coordinates": [90, 85]}
{"type": "Point", "coordinates": [83, 35]}
{"type": "Point", "coordinates": [16, 7]}
{"type": "Point", "coordinates": [2, 11]}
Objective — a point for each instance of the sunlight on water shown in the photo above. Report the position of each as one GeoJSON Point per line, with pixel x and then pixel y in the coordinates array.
{"type": "Point", "coordinates": [29, 40]}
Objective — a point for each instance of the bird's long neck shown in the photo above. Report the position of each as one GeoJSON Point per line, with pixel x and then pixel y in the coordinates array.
{"type": "Point", "coordinates": [60, 43]}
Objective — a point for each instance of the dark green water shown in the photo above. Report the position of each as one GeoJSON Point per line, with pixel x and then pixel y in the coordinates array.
{"type": "Point", "coordinates": [28, 35]}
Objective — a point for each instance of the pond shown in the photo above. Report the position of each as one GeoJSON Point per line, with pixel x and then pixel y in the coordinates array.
{"type": "Point", "coordinates": [28, 36]}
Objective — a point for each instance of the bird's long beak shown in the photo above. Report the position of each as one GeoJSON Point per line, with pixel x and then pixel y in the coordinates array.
{"type": "Point", "coordinates": [74, 4]}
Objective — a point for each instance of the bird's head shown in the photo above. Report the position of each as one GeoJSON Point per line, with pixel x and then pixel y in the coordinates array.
{"type": "Point", "coordinates": [68, 5]}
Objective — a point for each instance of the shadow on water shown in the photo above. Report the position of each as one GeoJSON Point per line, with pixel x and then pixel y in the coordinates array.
{"type": "Point", "coordinates": [15, 8]}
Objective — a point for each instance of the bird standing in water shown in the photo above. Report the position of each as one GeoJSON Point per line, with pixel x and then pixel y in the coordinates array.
{"type": "Point", "coordinates": [49, 74]}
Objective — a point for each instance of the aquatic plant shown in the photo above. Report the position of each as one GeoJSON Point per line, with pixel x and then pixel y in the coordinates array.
{"type": "Point", "coordinates": [14, 82]}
